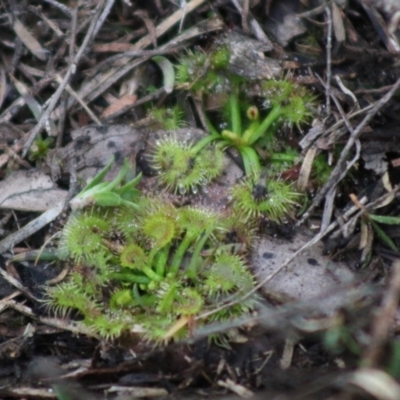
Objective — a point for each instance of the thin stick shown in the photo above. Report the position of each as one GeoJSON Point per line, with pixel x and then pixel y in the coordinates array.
{"type": "Point", "coordinates": [57, 94]}
{"type": "Point", "coordinates": [328, 60]}
{"type": "Point", "coordinates": [72, 92]}
{"type": "Point", "coordinates": [384, 319]}
{"type": "Point", "coordinates": [65, 9]}
{"type": "Point", "coordinates": [30, 228]}
{"type": "Point", "coordinates": [103, 16]}
{"type": "Point", "coordinates": [337, 175]}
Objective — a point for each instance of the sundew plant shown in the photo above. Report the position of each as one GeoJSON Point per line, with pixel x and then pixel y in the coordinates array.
{"type": "Point", "coordinates": [246, 127]}
{"type": "Point", "coordinates": [145, 267]}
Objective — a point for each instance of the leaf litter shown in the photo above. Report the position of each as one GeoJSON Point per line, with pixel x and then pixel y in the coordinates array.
{"type": "Point", "coordinates": [329, 277]}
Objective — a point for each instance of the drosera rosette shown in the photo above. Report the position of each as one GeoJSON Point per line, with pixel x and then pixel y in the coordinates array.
{"type": "Point", "coordinates": [275, 199]}
{"type": "Point", "coordinates": [183, 167]}
{"type": "Point", "coordinates": [153, 277]}
{"type": "Point", "coordinates": [286, 102]}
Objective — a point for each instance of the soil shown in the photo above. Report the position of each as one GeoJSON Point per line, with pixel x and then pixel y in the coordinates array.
{"type": "Point", "coordinates": [77, 82]}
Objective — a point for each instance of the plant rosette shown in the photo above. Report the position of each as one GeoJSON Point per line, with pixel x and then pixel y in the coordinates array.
{"type": "Point", "coordinates": [154, 275]}
{"type": "Point", "coordinates": [286, 103]}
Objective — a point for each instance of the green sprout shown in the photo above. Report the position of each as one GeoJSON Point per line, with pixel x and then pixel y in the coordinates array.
{"type": "Point", "coordinates": [107, 194]}
{"type": "Point", "coordinates": [40, 149]}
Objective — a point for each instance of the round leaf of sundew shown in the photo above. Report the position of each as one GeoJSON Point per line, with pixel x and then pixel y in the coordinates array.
{"type": "Point", "coordinates": [121, 298]}
{"type": "Point", "coordinates": [296, 111]}
{"type": "Point", "coordinates": [277, 91]}
{"type": "Point", "coordinates": [83, 235]}
{"type": "Point", "coordinates": [212, 160]}
{"type": "Point", "coordinates": [159, 228]}
{"type": "Point", "coordinates": [133, 256]}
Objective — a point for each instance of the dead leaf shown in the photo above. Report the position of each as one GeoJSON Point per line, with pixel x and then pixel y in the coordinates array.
{"type": "Point", "coordinates": [3, 86]}
{"type": "Point", "coordinates": [306, 168]}
{"type": "Point", "coordinates": [28, 40]}
{"type": "Point", "coordinates": [29, 191]}
{"type": "Point", "coordinates": [247, 58]}
{"type": "Point", "coordinates": [113, 47]}
{"type": "Point", "coordinates": [338, 25]}
{"type": "Point", "coordinates": [119, 104]}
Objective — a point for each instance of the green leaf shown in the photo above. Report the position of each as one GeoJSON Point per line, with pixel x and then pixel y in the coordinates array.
{"type": "Point", "coordinates": [107, 199]}
{"type": "Point", "coordinates": [383, 236]}
{"type": "Point", "coordinates": [235, 114]}
{"type": "Point", "coordinates": [99, 177]}
{"type": "Point", "coordinates": [251, 162]}
{"type": "Point", "coordinates": [119, 178]}
{"type": "Point", "coordinates": [128, 190]}
{"type": "Point", "coordinates": [168, 72]}
{"type": "Point", "coordinates": [385, 219]}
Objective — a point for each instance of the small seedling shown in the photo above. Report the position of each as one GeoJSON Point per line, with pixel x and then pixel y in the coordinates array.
{"type": "Point", "coordinates": [40, 149]}
{"type": "Point", "coordinates": [107, 194]}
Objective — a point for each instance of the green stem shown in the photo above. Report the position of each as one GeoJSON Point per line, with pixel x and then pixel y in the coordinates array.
{"type": "Point", "coordinates": [119, 178]}
{"type": "Point", "coordinates": [191, 270]}
{"type": "Point", "coordinates": [204, 142]}
{"type": "Point", "coordinates": [152, 254]}
{"type": "Point", "coordinates": [283, 157]}
{"type": "Point", "coordinates": [129, 277]}
{"type": "Point", "coordinates": [151, 274]}
{"type": "Point", "coordinates": [142, 300]}
{"type": "Point", "coordinates": [249, 131]}
{"type": "Point", "coordinates": [235, 113]}
{"type": "Point", "coordinates": [161, 260]}
{"type": "Point", "coordinates": [210, 126]}
{"type": "Point", "coordinates": [180, 252]}
{"type": "Point", "coordinates": [232, 138]}
{"type": "Point", "coordinates": [271, 117]}
{"type": "Point", "coordinates": [167, 301]}
{"type": "Point", "coordinates": [136, 295]}
{"type": "Point", "coordinates": [251, 162]}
